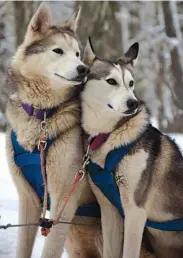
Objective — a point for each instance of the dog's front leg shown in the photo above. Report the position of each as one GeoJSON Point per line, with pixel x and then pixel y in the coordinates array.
{"type": "Point", "coordinates": [29, 206]}
{"type": "Point", "coordinates": [112, 225]}
{"type": "Point", "coordinates": [112, 229]}
{"type": "Point", "coordinates": [135, 219]}
{"type": "Point", "coordinates": [55, 241]}
{"type": "Point", "coordinates": [29, 212]}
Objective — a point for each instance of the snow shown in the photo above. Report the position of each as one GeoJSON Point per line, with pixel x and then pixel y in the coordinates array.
{"type": "Point", "coordinates": [9, 206]}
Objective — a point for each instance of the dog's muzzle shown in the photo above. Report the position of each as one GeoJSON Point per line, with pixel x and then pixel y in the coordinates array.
{"type": "Point", "coordinates": [79, 78]}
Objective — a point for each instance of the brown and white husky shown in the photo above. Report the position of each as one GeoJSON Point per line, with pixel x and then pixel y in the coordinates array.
{"type": "Point", "coordinates": [149, 177]}
{"type": "Point", "coordinates": [46, 71]}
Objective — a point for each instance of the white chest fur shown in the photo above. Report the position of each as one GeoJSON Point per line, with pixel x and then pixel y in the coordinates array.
{"type": "Point", "coordinates": [129, 172]}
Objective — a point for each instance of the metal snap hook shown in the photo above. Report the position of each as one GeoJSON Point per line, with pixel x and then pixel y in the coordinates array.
{"type": "Point", "coordinates": [81, 172]}
{"type": "Point", "coordinates": [43, 125]}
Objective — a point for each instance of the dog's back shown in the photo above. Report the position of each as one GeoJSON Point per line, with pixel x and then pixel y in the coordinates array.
{"type": "Point", "coordinates": [160, 191]}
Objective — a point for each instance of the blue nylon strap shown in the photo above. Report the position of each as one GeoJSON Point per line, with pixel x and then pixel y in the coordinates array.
{"type": "Point", "coordinates": [105, 182]}
{"type": "Point", "coordinates": [31, 169]}
{"type": "Point", "coordinates": [19, 150]}
{"type": "Point", "coordinates": [89, 210]}
{"type": "Point", "coordinates": [103, 178]}
{"type": "Point", "coordinates": [115, 156]}
{"type": "Point", "coordinates": [172, 225]}
{"type": "Point", "coordinates": [30, 165]}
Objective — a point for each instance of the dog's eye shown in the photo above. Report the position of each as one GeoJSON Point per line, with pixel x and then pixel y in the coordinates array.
{"type": "Point", "coordinates": [77, 54]}
{"type": "Point", "coordinates": [131, 83]}
{"type": "Point", "coordinates": [111, 81]}
{"type": "Point", "coordinates": [58, 51]}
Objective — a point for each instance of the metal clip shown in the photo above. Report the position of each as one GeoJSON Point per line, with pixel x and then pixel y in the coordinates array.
{"type": "Point", "coordinates": [81, 172]}
{"type": "Point", "coordinates": [87, 153]}
{"type": "Point", "coordinates": [43, 125]}
{"type": "Point", "coordinates": [40, 142]}
{"type": "Point", "coordinates": [86, 161]}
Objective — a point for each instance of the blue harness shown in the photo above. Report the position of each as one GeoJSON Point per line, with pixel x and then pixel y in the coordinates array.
{"type": "Point", "coordinates": [29, 162]}
{"type": "Point", "coordinates": [103, 178]}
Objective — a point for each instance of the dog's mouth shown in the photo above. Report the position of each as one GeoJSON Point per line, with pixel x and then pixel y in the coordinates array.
{"type": "Point", "coordinates": [134, 112]}
{"type": "Point", "coordinates": [78, 79]}
{"type": "Point", "coordinates": [130, 112]}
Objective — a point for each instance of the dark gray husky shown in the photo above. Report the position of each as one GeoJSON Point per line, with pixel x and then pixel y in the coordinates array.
{"type": "Point", "coordinates": [150, 176]}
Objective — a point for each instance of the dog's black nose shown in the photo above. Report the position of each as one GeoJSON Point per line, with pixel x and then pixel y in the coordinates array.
{"type": "Point", "coordinates": [132, 104]}
{"type": "Point", "coordinates": [82, 70]}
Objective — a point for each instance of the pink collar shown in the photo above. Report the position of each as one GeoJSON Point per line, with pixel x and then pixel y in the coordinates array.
{"type": "Point", "coordinates": [98, 140]}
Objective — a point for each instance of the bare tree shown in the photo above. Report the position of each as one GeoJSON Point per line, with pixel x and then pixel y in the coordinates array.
{"type": "Point", "coordinates": [4, 58]}
{"type": "Point", "coordinates": [23, 11]}
{"type": "Point", "coordinates": [176, 66]}
{"type": "Point", "coordinates": [172, 31]}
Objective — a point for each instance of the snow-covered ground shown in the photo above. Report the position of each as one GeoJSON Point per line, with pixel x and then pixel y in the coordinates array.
{"type": "Point", "coordinates": [9, 207]}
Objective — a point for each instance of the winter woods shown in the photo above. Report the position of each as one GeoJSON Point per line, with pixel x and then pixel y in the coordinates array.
{"type": "Point", "coordinates": [113, 26]}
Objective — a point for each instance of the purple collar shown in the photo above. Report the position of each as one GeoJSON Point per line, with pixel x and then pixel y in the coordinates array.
{"type": "Point", "coordinates": [37, 112]}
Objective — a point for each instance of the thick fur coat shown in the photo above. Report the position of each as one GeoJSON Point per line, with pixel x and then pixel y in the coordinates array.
{"type": "Point", "coordinates": [110, 106]}
{"type": "Point", "coordinates": [44, 73]}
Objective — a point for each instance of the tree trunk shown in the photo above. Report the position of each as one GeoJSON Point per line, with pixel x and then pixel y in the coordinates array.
{"type": "Point", "coordinates": [23, 12]}
{"type": "Point", "coordinates": [176, 66]}
{"type": "Point", "coordinates": [102, 21]}
{"type": "Point", "coordinates": [176, 62]}
{"type": "Point", "coordinates": [159, 91]}
{"type": "Point", "coordinates": [4, 58]}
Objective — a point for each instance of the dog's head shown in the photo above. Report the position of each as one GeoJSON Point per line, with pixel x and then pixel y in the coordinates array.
{"type": "Point", "coordinates": [51, 53]}
{"type": "Point", "coordinates": [110, 86]}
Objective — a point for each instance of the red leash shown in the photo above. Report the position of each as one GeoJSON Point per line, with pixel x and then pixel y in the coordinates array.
{"type": "Point", "coordinates": [95, 143]}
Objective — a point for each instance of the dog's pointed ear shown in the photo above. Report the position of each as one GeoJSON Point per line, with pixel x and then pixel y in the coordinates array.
{"type": "Point", "coordinates": [89, 54]}
{"type": "Point", "coordinates": [131, 55]}
{"type": "Point", "coordinates": [72, 23]}
{"type": "Point", "coordinates": [41, 20]}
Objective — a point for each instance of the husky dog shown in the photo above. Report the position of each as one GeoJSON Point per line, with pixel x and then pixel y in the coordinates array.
{"type": "Point", "coordinates": [149, 177]}
{"type": "Point", "coordinates": [46, 72]}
